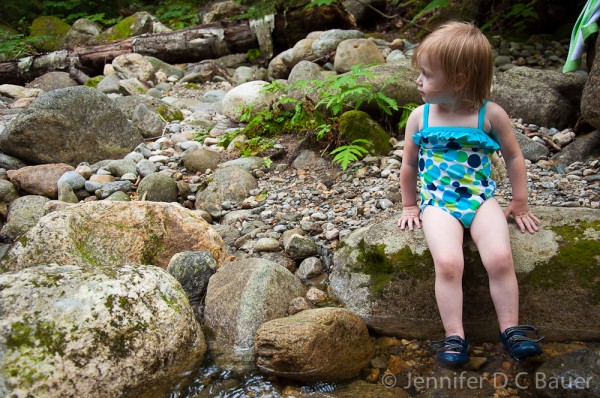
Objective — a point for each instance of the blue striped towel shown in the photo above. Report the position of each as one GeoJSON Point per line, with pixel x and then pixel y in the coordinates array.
{"type": "Point", "coordinates": [584, 27]}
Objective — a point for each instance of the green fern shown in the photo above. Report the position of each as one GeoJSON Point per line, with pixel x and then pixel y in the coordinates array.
{"type": "Point", "coordinates": [346, 154]}
{"type": "Point", "coordinates": [406, 111]}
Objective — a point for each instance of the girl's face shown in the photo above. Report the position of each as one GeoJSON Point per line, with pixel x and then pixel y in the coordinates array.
{"type": "Point", "coordinates": [432, 84]}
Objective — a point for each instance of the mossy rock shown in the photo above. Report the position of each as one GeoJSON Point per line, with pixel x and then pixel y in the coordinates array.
{"type": "Point", "coordinates": [169, 113]}
{"type": "Point", "coordinates": [50, 30]}
{"type": "Point", "coordinates": [359, 125]}
{"type": "Point", "coordinates": [122, 30]}
{"type": "Point", "coordinates": [387, 277]}
{"type": "Point", "coordinates": [93, 82]}
{"type": "Point", "coordinates": [134, 25]}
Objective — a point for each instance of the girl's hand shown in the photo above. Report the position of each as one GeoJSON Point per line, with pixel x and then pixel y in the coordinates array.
{"type": "Point", "coordinates": [411, 216]}
{"type": "Point", "coordinates": [524, 218]}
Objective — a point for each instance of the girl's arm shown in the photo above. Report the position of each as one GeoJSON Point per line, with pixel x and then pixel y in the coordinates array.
{"type": "Point", "coordinates": [515, 165]}
{"type": "Point", "coordinates": [411, 214]}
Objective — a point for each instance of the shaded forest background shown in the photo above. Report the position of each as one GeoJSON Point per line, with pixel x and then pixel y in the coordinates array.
{"type": "Point", "coordinates": [509, 18]}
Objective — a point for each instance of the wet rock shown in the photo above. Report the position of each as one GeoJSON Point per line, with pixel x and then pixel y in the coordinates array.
{"type": "Point", "coordinates": [572, 374]}
{"type": "Point", "coordinates": [287, 346]}
{"type": "Point", "coordinates": [241, 296]}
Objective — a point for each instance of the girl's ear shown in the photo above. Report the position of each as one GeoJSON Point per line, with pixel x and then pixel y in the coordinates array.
{"type": "Point", "coordinates": [460, 81]}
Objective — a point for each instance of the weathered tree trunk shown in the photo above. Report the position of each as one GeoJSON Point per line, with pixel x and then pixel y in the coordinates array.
{"type": "Point", "coordinates": [208, 41]}
{"type": "Point", "coordinates": [187, 45]}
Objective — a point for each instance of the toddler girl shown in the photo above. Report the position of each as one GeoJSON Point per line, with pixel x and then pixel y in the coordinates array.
{"type": "Point", "coordinates": [449, 142]}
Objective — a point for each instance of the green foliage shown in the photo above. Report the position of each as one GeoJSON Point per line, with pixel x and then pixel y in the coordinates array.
{"type": "Point", "coordinates": [346, 154]}
{"type": "Point", "coordinates": [406, 111]}
{"type": "Point", "coordinates": [254, 54]}
{"type": "Point", "coordinates": [320, 3]}
{"type": "Point", "coordinates": [432, 6]}
{"type": "Point", "coordinates": [15, 46]}
{"type": "Point", "coordinates": [267, 162]}
{"type": "Point", "coordinates": [254, 146]}
{"type": "Point", "coordinates": [319, 119]}
{"type": "Point", "coordinates": [177, 14]}
{"type": "Point", "coordinates": [340, 91]}
{"type": "Point", "coordinates": [517, 19]}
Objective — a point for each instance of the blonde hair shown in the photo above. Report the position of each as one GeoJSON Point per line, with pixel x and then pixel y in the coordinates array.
{"type": "Point", "coordinates": [462, 52]}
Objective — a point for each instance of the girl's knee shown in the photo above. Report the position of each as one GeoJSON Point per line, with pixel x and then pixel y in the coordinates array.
{"type": "Point", "coordinates": [499, 262]}
{"type": "Point", "coordinates": [449, 268]}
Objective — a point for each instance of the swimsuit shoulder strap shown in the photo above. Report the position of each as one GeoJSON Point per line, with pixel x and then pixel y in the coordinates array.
{"type": "Point", "coordinates": [481, 119]}
{"type": "Point", "coordinates": [426, 116]}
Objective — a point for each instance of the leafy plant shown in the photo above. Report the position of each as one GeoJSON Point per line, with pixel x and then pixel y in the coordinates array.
{"type": "Point", "coordinates": [255, 146]}
{"type": "Point", "coordinates": [267, 162]}
{"type": "Point", "coordinates": [516, 19]}
{"type": "Point", "coordinates": [433, 5]}
{"type": "Point", "coordinates": [346, 154]}
{"type": "Point", "coordinates": [177, 14]}
{"type": "Point", "coordinates": [340, 91]}
{"type": "Point", "coordinates": [406, 111]}
{"type": "Point", "coordinates": [16, 45]}
{"type": "Point", "coordinates": [320, 3]}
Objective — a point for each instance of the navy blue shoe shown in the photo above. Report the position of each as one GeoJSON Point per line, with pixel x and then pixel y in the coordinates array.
{"type": "Point", "coordinates": [518, 344]}
{"type": "Point", "coordinates": [452, 351]}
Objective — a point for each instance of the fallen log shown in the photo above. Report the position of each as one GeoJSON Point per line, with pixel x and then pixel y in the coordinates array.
{"type": "Point", "coordinates": [209, 41]}
{"type": "Point", "coordinates": [194, 44]}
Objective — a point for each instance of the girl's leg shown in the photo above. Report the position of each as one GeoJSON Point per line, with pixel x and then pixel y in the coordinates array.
{"type": "Point", "coordinates": [489, 231]}
{"type": "Point", "coordinates": [444, 235]}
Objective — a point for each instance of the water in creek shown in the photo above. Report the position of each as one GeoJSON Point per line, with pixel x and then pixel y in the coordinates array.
{"type": "Point", "coordinates": [211, 381]}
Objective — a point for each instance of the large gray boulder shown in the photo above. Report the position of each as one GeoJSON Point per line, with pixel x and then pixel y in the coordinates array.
{"type": "Point", "coordinates": [70, 125]}
{"type": "Point", "coordinates": [73, 331]}
{"type": "Point", "coordinates": [114, 233]}
{"type": "Point", "coordinates": [286, 347]}
{"type": "Point", "coordinates": [543, 97]}
{"type": "Point", "coordinates": [241, 296]}
{"type": "Point", "coordinates": [590, 99]}
{"type": "Point", "coordinates": [387, 277]}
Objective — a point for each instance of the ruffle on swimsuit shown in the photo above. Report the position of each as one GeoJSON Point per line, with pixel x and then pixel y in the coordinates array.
{"type": "Point", "coordinates": [455, 167]}
{"type": "Point", "coordinates": [439, 137]}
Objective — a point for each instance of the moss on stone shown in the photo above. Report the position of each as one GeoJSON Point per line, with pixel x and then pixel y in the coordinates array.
{"type": "Point", "coordinates": [50, 31]}
{"type": "Point", "coordinates": [577, 260]}
{"type": "Point", "coordinates": [359, 125]}
{"type": "Point", "coordinates": [41, 335]}
{"type": "Point", "coordinates": [169, 114]}
{"type": "Point", "coordinates": [382, 267]}
{"type": "Point", "coordinates": [122, 30]}
{"type": "Point", "coordinates": [93, 82]}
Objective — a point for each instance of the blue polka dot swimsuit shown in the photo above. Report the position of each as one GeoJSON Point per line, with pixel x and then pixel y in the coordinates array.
{"type": "Point", "coordinates": [455, 167]}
